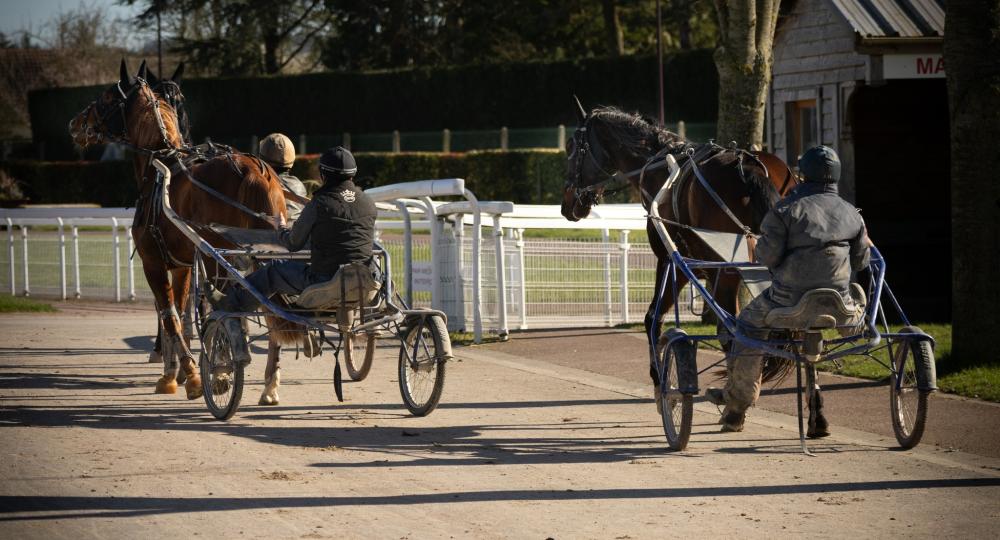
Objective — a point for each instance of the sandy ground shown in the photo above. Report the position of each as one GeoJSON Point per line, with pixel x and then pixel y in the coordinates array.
{"type": "Point", "coordinates": [525, 445]}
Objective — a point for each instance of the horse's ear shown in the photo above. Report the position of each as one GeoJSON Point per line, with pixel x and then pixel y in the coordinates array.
{"type": "Point", "coordinates": [123, 75]}
{"type": "Point", "coordinates": [178, 73]}
{"type": "Point", "coordinates": [580, 111]}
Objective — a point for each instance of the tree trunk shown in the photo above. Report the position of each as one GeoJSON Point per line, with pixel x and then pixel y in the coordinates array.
{"type": "Point", "coordinates": [743, 60]}
{"type": "Point", "coordinates": [613, 29]}
{"type": "Point", "coordinates": [972, 64]}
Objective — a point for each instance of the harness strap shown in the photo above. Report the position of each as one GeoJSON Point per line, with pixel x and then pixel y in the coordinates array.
{"type": "Point", "coordinates": [718, 200]}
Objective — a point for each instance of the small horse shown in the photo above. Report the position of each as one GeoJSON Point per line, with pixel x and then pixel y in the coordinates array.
{"type": "Point", "coordinates": [609, 140]}
{"type": "Point", "coordinates": [281, 332]}
{"type": "Point", "coordinates": [130, 112]}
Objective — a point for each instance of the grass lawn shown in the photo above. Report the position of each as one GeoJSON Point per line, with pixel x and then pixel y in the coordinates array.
{"type": "Point", "coordinates": [17, 304]}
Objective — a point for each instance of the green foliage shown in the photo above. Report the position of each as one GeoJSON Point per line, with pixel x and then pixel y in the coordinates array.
{"type": "Point", "coordinates": [516, 95]}
{"type": "Point", "coordinates": [16, 304]}
{"type": "Point", "coordinates": [108, 183]}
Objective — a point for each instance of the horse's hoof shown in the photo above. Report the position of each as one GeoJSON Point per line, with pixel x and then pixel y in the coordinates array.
{"type": "Point", "coordinates": [818, 427]}
{"type": "Point", "coordinates": [155, 357]}
{"type": "Point", "coordinates": [166, 385]}
{"type": "Point", "coordinates": [267, 400]}
{"type": "Point", "coordinates": [193, 387]}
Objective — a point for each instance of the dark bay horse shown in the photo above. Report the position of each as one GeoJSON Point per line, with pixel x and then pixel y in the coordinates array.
{"type": "Point", "coordinates": [609, 140]}
{"type": "Point", "coordinates": [130, 112]}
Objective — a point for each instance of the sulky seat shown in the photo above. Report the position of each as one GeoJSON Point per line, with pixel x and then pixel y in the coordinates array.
{"type": "Point", "coordinates": [351, 286]}
{"type": "Point", "coordinates": [819, 309]}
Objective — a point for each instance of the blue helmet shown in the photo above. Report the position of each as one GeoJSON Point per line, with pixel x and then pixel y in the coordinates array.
{"type": "Point", "coordinates": [820, 164]}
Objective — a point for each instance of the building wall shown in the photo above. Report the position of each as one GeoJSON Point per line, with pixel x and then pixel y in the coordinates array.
{"type": "Point", "coordinates": [814, 58]}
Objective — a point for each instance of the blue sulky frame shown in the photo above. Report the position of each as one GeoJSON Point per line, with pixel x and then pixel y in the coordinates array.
{"type": "Point", "coordinates": [864, 343]}
{"type": "Point", "coordinates": [395, 313]}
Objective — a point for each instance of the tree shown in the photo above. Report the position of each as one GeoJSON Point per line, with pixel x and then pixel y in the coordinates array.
{"type": "Point", "coordinates": [241, 37]}
{"type": "Point", "coordinates": [743, 60]}
{"type": "Point", "coordinates": [972, 64]}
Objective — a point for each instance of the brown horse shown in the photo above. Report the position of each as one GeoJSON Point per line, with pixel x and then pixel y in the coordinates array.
{"type": "Point", "coordinates": [281, 332]}
{"type": "Point", "coordinates": [609, 140]}
{"type": "Point", "coordinates": [129, 112]}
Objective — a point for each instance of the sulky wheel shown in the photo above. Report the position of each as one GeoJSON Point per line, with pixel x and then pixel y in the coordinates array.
{"type": "Point", "coordinates": [359, 350]}
{"type": "Point", "coordinates": [422, 357]}
{"type": "Point", "coordinates": [673, 362]}
{"type": "Point", "coordinates": [912, 379]}
{"type": "Point", "coordinates": [221, 378]}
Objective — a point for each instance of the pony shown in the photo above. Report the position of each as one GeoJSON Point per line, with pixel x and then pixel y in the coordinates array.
{"type": "Point", "coordinates": [609, 140]}
{"type": "Point", "coordinates": [282, 332]}
{"type": "Point", "coordinates": [129, 112]}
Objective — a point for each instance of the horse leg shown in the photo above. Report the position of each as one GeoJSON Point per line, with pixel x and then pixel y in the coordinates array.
{"type": "Point", "coordinates": [159, 284]}
{"type": "Point", "coordinates": [192, 381]}
{"type": "Point", "coordinates": [272, 375]}
{"type": "Point", "coordinates": [156, 355]}
{"type": "Point", "coordinates": [654, 323]}
{"type": "Point", "coordinates": [818, 426]}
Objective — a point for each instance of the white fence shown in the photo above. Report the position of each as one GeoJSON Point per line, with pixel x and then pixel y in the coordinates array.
{"type": "Point", "coordinates": [545, 282]}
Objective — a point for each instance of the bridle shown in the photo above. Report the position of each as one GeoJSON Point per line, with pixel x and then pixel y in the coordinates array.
{"type": "Point", "coordinates": [105, 127]}
{"type": "Point", "coordinates": [171, 93]}
{"type": "Point", "coordinates": [588, 195]}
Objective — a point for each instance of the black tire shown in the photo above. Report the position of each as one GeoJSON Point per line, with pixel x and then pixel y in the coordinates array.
{"type": "Point", "coordinates": [421, 379]}
{"type": "Point", "coordinates": [909, 387]}
{"type": "Point", "coordinates": [678, 407]}
{"type": "Point", "coordinates": [359, 351]}
{"type": "Point", "coordinates": [222, 379]}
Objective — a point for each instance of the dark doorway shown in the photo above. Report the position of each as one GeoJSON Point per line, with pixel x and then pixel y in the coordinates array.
{"type": "Point", "coordinates": [902, 163]}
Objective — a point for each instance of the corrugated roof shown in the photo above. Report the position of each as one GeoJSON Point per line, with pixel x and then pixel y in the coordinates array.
{"type": "Point", "coordinates": [893, 18]}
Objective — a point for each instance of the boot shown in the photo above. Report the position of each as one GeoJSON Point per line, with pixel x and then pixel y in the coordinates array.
{"type": "Point", "coordinates": [238, 339]}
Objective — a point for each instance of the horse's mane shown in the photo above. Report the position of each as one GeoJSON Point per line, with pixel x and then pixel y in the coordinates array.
{"type": "Point", "coordinates": [635, 134]}
{"type": "Point", "coordinates": [148, 131]}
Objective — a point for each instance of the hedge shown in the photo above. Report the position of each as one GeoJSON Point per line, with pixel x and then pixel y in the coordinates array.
{"type": "Point", "coordinates": [517, 95]}
{"type": "Point", "coordinates": [521, 176]}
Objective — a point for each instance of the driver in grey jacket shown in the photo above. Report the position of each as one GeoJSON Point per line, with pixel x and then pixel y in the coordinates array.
{"type": "Point", "coordinates": [811, 239]}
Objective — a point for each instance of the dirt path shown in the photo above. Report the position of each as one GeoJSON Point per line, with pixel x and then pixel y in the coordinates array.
{"type": "Point", "coordinates": [523, 446]}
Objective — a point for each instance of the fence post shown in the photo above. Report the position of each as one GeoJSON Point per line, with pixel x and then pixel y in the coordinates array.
{"type": "Point", "coordinates": [10, 256]}
{"type": "Point", "coordinates": [561, 136]}
{"type": "Point", "coordinates": [605, 238]}
{"type": "Point", "coordinates": [504, 138]}
{"type": "Point", "coordinates": [446, 140]}
{"type": "Point", "coordinates": [459, 265]}
{"type": "Point", "coordinates": [118, 270]}
{"type": "Point", "coordinates": [131, 268]}
{"type": "Point", "coordinates": [521, 278]}
{"type": "Point", "coordinates": [624, 246]}
{"type": "Point", "coordinates": [76, 260]}
{"type": "Point", "coordinates": [346, 140]}
{"type": "Point", "coordinates": [62, 258]}
{"type": "Point", "coordinates": [24, 245]}
{"type": "Point", "coordinates": [395, 141]}
{"type": "Point", "coordinates": [681, 129]}
{"type": "Point", "coordinates": [501, 281]}
{"type": "Point", "coordinates": [302, 143]}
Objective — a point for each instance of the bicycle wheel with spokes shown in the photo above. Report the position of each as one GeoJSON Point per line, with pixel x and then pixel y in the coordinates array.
{"type": "Point", "coordinates": [359, 351]}
{"type": "Point", "coordinates": [422, 360]}
{"type": "Point", "coordinates": [909, 388]}
{"type": "Point", "coordinates": [678, 407]}
{"type": "Point", "coordinates": [222, 378]}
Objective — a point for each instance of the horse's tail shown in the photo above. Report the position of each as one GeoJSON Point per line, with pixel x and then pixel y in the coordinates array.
{"type": "Point", "coordinates": [261, 191]}
{"type": "Point", "coordinates": [763, 194]}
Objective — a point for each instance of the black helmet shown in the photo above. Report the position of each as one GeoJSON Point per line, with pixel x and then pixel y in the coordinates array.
{"type": "Point", "coordinates": [337, 162]}
{"type": "Point", "coordinates": [820, 164]}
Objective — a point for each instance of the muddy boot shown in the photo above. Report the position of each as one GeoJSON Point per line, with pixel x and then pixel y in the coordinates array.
{"type": "Point", "coordinates": [818, 426]}
{"type": "Point", "coordinates": [238, 339]}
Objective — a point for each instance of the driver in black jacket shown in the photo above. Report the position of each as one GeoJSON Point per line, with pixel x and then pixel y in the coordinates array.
{"type": "Point", "coordinates": [338, 225]}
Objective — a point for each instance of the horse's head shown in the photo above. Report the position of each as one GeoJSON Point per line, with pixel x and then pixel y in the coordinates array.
{"type": "Point", "coordinates": [170, 90]}
{"type": "Point", "coordinates": [586, 171]}
{"type": "Point", "coordinates": [129, 112]}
